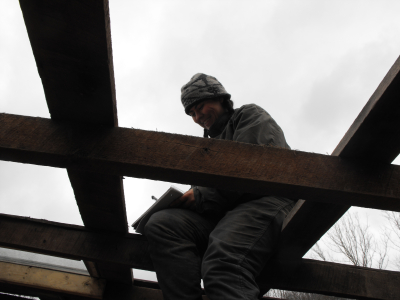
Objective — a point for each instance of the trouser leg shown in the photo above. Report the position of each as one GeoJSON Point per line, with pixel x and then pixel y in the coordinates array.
{"type": "Point", "coordinates": [177, 239]}
{"type": "Point", "coordinates": [239, 247]}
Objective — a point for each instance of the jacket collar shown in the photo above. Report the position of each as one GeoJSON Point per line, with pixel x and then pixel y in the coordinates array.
{"type": "Point", "coordinates": [219, 125]}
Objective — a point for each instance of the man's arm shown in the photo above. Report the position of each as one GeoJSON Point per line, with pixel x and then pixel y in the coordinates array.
{"type": "Point", "coordinates": [187, 200]}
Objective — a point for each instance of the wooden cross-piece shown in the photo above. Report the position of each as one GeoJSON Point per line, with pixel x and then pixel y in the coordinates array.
{"type": "Point", "coordinates": [206, 162]}
{"type": "Point", "coordinates": [45, 279]}
{"type": "Point", "coordinates": [71, 43]}
{"type": "Point", "coordinates": [131, 250]}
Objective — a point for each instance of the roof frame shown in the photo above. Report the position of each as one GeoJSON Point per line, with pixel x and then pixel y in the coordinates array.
{"type": "Point", "coordinates": [79, 86]}
{"type": "Point", "coordinates": [132, 250]}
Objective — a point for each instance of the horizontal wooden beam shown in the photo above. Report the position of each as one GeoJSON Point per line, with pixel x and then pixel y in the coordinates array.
{"type": "Point", "coordinates": [125, 292]}
{"type": "Point", "coordinates": [305, 275]}
{"type": "Point", "coordinates": [374, 136]}
{"type": "Point", "coordinates": [74, 242]}
{"type": "Point", "coordinates": [131, 250]}
{"type": "Point", "coordinates": [113, 291]}
{"type": "Point", "coordinates": [51, 280]}
{"type": "Point", "coordinates": [141, 292]}
{"type": "Point", "coordinates": [42, 265]}
{"type": "Point", "coordinates": [205, 162]}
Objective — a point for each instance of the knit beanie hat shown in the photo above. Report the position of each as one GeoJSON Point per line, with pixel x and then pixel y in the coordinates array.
{"type": "Point", "coordinates": [199, 88]}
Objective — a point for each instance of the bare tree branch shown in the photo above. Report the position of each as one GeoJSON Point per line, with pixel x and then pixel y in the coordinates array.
{"type": "Point", "coordinates": [357, 244]}
{"type": "Point", "coordinates": [318, 253]}
{"type": "Point", "coordinates": [394, 221]}
{"type": "Point", "coordinates": [394, 229]}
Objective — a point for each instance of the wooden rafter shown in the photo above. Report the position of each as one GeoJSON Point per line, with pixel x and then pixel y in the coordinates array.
{"type": "Point", "coordinates": [71, 43]}
{"type": "Point", "coordinates": [299, 275]}
{"type": "Point", "coordinates": [375, 137]}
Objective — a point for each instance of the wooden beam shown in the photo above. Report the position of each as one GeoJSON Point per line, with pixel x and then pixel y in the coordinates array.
{"type": "Point", "coordinates": [139, 292]}
{"type": "Point", "coordinates": [204, 162]}
{"type": "Point", "coordinates": [305, 275]}
{"type": "Point", "coordinates": [42, 265]}
{"type": "Point", "coordinates": [74, 242]}
{"type": "Point", "coordinates": [138, 283]}
{"type": "Point", "coordinates": [116, 291]}
{"type": "Point", "coordinates": [113, 291]}
{"type": "Point", "coordinates": [155, 286]}
{"type": "Point", "coordinates": [51, 280]}
{"type": "Point", "coordinates": [375, 133]}
{"type": "Point", "coordinates": [131, 250]}
{"type": "Point", "coordinates": [71, 42]}
{"type": "Point", "coordinates": [374, 136]}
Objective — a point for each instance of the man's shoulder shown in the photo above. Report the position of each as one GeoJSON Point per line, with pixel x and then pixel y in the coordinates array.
{"type": "Point", "coordinates": [249, 109]}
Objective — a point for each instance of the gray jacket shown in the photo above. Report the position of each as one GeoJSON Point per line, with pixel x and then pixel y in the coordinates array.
{"type": "Point", "coordinates": [248, 124]}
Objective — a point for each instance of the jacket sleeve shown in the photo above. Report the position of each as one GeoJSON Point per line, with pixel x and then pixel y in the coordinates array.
{"type": "Point", "coordinates": [252, 125]}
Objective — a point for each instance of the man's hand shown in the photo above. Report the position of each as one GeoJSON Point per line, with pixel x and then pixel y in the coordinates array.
{"type": "Point", "coordinates": [187, 201]}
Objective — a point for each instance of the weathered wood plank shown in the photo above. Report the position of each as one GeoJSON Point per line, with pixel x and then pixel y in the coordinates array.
{"type": "Point", "coordinates": [77, 242]}
{"type": "Point", "coordinates": [71, 42]}
{"type": "Point", "coordinates": [74, 242]}
{"type": "Point", "coordinates": [375, 133]}
{"type": "Point", "coordinates": [51, 280]}
{"type": "Point", "coordinates": [31, 263]}
{"type": "Point", "coordinates": [113, 291]}
{"type": "Point", "coordinates": [122, 292]}
{"type": "Point", "coordinates": [100, 199]}
{"type": "Point", "coordinates": [204, 162]}
{"type": "Point", "coordinates": [374, 136]}
{"type": "Point", "coordinates": [305, 275]}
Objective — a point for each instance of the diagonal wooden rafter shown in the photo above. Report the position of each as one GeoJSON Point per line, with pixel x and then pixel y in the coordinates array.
{"type": "Point", "coordinates": [375, 137]}
{"type": "Point", "coordinates": [299, 275]}
{"type": "Point", "coordinates": [71, 43]}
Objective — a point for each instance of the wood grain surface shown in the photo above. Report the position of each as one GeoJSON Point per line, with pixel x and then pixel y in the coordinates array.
{"type": "Point", "coordinates": [203, 162]}
{"type": "Point", "coordinates": [77, 242]}
{"type": "Point", "coordinates": [63, 282]}
{"type": "Point", "coordinates": [71, 43]}
{"type": "Point", "coordinates": [305, 275]}
{"type": "Point", "coordinates": [375, 137]}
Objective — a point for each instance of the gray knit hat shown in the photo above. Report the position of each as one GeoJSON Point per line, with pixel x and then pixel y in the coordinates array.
{"type": "Point", "coordinates": [199, 88]}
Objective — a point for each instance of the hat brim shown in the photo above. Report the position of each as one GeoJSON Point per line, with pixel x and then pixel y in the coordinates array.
{"type": "Point", "coordinates": [189, 107]}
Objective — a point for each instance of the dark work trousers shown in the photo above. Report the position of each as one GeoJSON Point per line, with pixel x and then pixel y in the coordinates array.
{"type": "Point", "coordinates": [227, 253]}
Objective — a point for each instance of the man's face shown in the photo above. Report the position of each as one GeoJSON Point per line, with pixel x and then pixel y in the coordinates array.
{"type": "Point", "coordinates": [207, 112]}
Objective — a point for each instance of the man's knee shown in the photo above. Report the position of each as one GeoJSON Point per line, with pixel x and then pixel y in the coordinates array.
{"type": "Point", "coordinates": [158, 223]}
{"type": "Point", "coordinates": [173, 222]}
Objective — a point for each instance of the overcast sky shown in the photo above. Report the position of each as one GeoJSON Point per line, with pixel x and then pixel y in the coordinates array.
{"type": "Point", "coordinates": [311, 64]}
